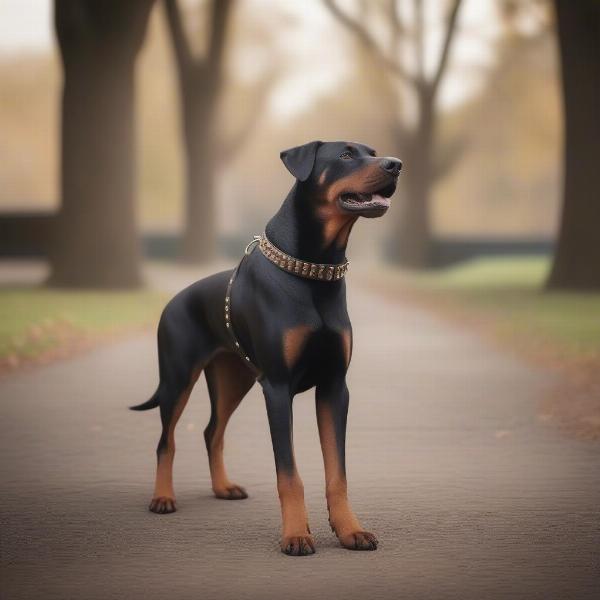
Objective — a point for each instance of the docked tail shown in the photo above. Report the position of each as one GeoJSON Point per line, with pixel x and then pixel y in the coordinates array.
{"type": "Point", "coordinates": [152, 403]}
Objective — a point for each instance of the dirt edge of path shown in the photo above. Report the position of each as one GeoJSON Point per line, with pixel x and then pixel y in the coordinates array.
{"type": "Point", "coordinates": [72, 343]}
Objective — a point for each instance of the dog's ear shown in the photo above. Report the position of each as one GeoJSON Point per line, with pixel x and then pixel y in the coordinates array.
{"type": "Point", "coordinates": [299, 161]}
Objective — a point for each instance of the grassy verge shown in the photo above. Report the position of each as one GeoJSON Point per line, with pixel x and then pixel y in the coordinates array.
{"type": "Point", "coordinates": [38, 325]}
{"type": "Point", "coordinates": [504, 298]}
{"type": "Point", "coordinates": [510, 292]}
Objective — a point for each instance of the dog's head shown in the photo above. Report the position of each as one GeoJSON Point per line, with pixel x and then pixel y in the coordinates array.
{"type": "Point", "coordinates": [345, 178]}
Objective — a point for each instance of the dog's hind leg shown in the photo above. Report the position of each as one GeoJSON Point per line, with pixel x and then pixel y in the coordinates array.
{"type": "Point", "coordinates": [228, 379]}
{"type": "Point", "coordinates": [172, 404]}
{"type": "Point", "coordinates": [183, 350]}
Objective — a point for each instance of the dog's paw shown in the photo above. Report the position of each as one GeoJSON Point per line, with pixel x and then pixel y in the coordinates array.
{"type": "Point", "coordinates": [299, 545]}
{"type": "Point", "coordinates": [162, 505]}
{"type": "Point", "coordinates": [358, 540]}
{"type": "Point", "coordinates": [231, 492]}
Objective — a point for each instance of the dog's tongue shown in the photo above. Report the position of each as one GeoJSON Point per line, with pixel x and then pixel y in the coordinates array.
{"type": "Point", "coordinates": [367, 200]}
{"type": "Point", "coordinates": [376, 199]}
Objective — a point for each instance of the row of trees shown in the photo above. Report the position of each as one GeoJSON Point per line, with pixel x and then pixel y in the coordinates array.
{"type": "Point", "coordinates": [97, 243]}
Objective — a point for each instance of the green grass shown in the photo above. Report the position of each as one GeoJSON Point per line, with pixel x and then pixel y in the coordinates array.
{"type": "Point", "coordinates": [508, 292]}
{"type": "Point", "coordinates": [35, 321]}
{"type": "Point", "coordinates": [523, 273]}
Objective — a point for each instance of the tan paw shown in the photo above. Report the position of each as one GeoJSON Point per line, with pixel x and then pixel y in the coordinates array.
{"type": "Point", "coordinates": [299, 545]}
{"type": "Point", "coordinates": [162, 505]}
{"type": "Point", "coordinates": [358, 540]}
{"type": "Point", "coordinates": [231, 492]}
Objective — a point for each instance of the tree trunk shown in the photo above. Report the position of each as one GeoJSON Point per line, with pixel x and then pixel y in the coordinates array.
{"type": "Point", "coordinates": [96, 243]}
{"type": "Point", "coordinates": [412, 246]}
{"type": "Point", "coordinates": [577, 258]}
{"type": "Point", "coordinates": [199, 114]}
{"type": "Point", "coordinates": [199, 234]}
{"type": "Point", "coordinates": [200, 83]}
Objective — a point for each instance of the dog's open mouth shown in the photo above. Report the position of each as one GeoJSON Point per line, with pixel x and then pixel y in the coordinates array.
{"type": "Point", "coordinates": [371, 204]}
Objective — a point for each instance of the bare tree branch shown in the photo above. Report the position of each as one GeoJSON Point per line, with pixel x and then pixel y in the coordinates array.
{"type": "Point", "coordinates": [219, 17]}
{"type": "Point", "coordinates": [367, 40]}
{"type": "Point", "coordinates": [181, 45]}
{"type": "Point", "coordinates": [395, 16]}
{"type": "Point", "coordinates": [397, 25]}
{"type": "Point", "coordinates": [230, 147]}
{"type": "Point", "coordinates": [450, 29]}
{"type": "Point", "coordinates": [419, 39]}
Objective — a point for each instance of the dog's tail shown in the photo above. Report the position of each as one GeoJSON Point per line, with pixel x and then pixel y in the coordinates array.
{"type": "Point", "coordinates": [152, 403]}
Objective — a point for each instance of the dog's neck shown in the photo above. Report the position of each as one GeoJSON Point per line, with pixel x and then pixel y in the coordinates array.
{"type": "Point", "coordinates": [298, 231]}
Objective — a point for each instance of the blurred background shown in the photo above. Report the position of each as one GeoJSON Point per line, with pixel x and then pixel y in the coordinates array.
{"type": "Point", "coordinates": [143, 137]}
{"type": "Point", "coordinates": [139, 152]}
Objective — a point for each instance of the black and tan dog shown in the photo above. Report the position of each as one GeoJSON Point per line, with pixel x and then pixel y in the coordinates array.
{"type": "Point", "coordinates": [281, 318]}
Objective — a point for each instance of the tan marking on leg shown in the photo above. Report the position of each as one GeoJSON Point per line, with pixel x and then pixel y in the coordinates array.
{"type": "Point", "coordinates": [340, 515]}
{"type": "Point", "coordinates": [294, 340]}
{"type": "Point", "coordinates": [230, 380]}
{"type": "Point", "coordinates": [342, 519]}
{"type": "Point", "coordinates": [163, 486]}
{"type": "Point", "coordinates": [296, 538]}
{"type": "Point", "coordinates": [347, 343]}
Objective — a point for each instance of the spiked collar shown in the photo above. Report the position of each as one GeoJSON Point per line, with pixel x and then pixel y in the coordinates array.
{"type": "Point", "coordinates": [296, 266]}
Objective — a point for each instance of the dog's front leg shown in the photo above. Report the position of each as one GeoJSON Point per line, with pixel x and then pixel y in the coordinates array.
{"type": "Point", "coordinates": [296, 539]}
{"type": "Point", "coordinates": [332, 410]}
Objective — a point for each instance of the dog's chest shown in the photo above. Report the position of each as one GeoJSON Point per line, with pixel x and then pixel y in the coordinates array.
{"type": "Point", "coordinates": [312, 354]}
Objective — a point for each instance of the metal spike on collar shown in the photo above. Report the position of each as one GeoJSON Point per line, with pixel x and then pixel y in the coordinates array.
{"type": "Point", "coordinates": [295, 266]}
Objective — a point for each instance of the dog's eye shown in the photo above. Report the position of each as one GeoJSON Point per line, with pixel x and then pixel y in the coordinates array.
{"type": "Point", "coordinates": [346, 155]}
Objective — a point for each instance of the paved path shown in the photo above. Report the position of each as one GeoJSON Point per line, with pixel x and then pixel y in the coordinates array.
{"type": "Point", "coordinates": [472, 497]}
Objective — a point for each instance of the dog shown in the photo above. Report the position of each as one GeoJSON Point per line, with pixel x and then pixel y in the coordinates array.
{"type": "Point", "coordinates": [280, 318]}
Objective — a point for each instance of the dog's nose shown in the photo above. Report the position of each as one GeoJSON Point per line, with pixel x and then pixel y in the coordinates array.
{"type": "Point", "coordinates": [391, 165]}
